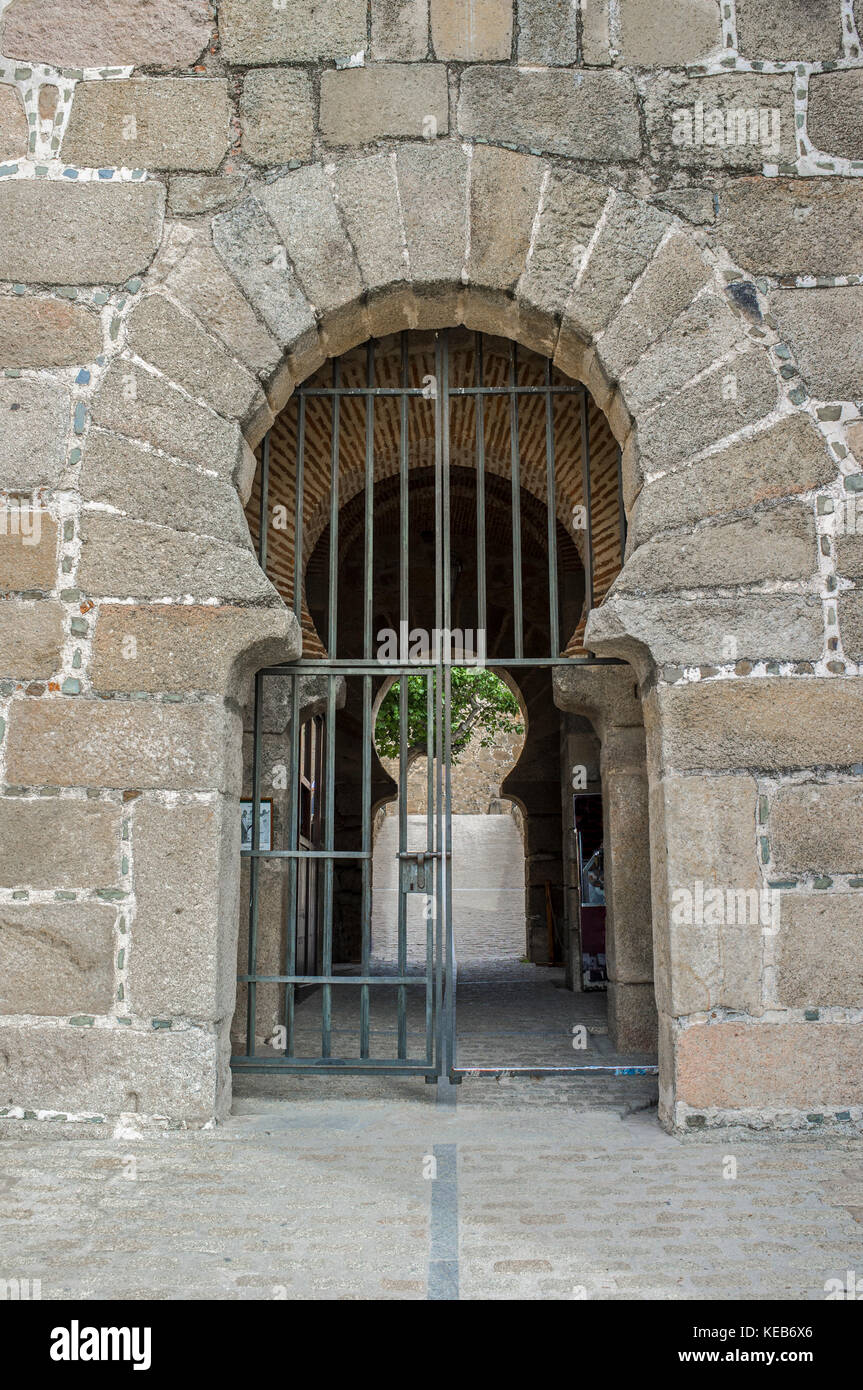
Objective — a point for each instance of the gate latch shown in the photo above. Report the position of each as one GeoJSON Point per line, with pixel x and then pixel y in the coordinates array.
{"type": "Point", "coordinates": [416, 870]}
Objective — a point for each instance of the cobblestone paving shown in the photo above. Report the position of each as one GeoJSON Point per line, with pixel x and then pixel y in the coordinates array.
{"type": "Point", "coordinates": [322, 1188]}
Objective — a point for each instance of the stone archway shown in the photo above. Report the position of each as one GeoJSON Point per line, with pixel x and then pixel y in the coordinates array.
{"type": "Point", "coordinates": [715, 457]}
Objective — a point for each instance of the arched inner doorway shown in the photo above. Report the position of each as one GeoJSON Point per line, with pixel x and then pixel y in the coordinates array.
{"type": "Point", "coordinates": [433, 500]}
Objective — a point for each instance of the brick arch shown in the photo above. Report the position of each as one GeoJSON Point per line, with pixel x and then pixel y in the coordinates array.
{"type": "Point", "coordinates": [606, 540]}
{"type": "Point", "coordinates": [616, 291]}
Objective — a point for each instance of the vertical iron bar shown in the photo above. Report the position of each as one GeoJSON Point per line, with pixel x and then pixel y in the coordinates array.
{"type": "Point", "coordinates": [254, 865]}
{"type": "Point", "coordinates": [479, 405]}
{"type": "Point", "coordinates": [441, 984]}
{"type": "Point", "coordinates": [404, 510]}
{"type": "Point", "coordinates": [368, 612]}
{"type": "Point", "coordinates": [621, 509]}
{"type": "Point", "coordinates": [298, 509]}
{"type": "Point", "coordinates": [403, 845]}
{"type": "Point", "coordinates": [257, 734]}
{"type": "Point", "coordinates": [445, 490]}
{"type": "Point", "coordinates": [334, 516]}
{"type": "Point", "coordinates": [329, 810]}
{"type": "Point", "coordinates": [366, 909]}
{"type": "Point", "coordinates": [294, 868]}
{"type": "Point", "coordinates": [516, 503]}
{"type": "Point", "coordinates": [431, 903]}
{"type": "Point", "coordinates": [447, 863]}
{"type": "Point", "coordinates": [264, 522]}
{"type": "Point", "coordinates": [551, 504]}
{"type": "Point", "coordinates": [585, 487]}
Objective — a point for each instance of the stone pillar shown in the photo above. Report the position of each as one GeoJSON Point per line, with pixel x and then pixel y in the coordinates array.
{"type": "Point", "coordinates": [580, 750]}
{"type": "Point", "coordinates": [607, 695]}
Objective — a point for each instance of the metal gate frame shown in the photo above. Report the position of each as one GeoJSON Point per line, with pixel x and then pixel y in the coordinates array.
{"type": "Point", "coordinates": [441, 967]}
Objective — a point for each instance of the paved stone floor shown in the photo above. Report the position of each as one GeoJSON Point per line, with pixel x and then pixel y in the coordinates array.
{"type": "Point", "coordinates": [384, 1187]}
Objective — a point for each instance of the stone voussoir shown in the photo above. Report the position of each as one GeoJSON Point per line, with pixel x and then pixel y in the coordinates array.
{"type": "Point", "coordinates": [171, 340]}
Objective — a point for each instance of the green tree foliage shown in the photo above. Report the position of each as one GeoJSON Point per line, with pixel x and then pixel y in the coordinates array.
{"type": "Point", "coordinates": [480, 704]}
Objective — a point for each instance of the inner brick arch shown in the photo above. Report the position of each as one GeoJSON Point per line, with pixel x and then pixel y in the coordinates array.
{"type": "Point", "coordinates": [606, 535]}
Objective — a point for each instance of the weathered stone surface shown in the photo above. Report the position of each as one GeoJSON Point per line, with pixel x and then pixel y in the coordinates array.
{"type": "Point", "coordinates": [47, 333]}
{"type": "Point", "coordinates": [191, 194]}
{"type": "Point", "coordinates": [136, 403]}
{"type": "Point", "coordinates": [179, 648]}
{"type": "Point", "coordinates": [139, 483]}
{"type": "Point", "coordinates": [737, 393]}
{"type": "Point", "coordinates": [14, 131]}
{"type": "Point", "coordinates": [504, 197]}
{"type": "Point", "coordinates": [359, 105]}
{"type": "Point", "coordinates": [738, 121]}
{"type": "Point", "coordinates": [56, 958]}
{"type": "Point", "coordinates": [791, 456]}
{"type": "Point", "coordinates": [632, 1016]}
{"type": "Point", "coordinates": [570, 209]}
{"type": "Point", "coordinates": [367, 193]}
{"type": "Point", "coordinates": [53, 843]}
{"type": "Point", "coordinates": [193, 274]}
{"type": "Point", "coordinates": [818, 829]}
{"type": "Point", "coordinates": [548, 33]}
{"type": "Point", "coordinates": [695, 205]}
{"type": "Point", "coordinates": [109, 1071]}
{"type": "Point", "coordinates": [697, 339]}
{"type": "Point", "coordinates": [34, 419]}
{"type": "Point", "coordinates": [433, 192]}
{"type": "Point", "coordinates": [303, 211]}
{"type": "Point", "coordinates": [254, 32]}
{"type": "Point", "coordinates": [715, 631]}
{"type": "Point", "coordinates": [470, 33]}
{"type": "Point", "coordinates": [772, 722]}
{"type": "Point", "coordinates": [149, 123]}
{"type": "Point", "coordinates": [629, 237]}
{"type": "Point", "coordinates": [770, 1066]}
{"type": "Point", "coordinates": [796, 30]}
{"type": "Point", "coordinates": [28, 550]}
{"type": "Point", "coordinates": [669, 33]}
{"type": "Point", "coordinates": [775, 544]}
{"type": "Point", "coordinates": [136, 559]}
{"type": "Point", "coordinates": [183, 943]}
{"type": "Point", "coordinates": [591, 116]}
{"type": "Point", "coordinates": [277, 114]}
{"type": "Point", "coordinates": [249, 245]}
{"type": "Point", "coordinates": [824, 329]}
{"type": "Point", "coordinates": [820, 961]}
{"type": "Point", "coordinates": [706, 835]}
{"type": "Point", "coordinates": [114, 744]}
{"type": "Point", "coordinates": [833, 115]}
{"type": "Point", "coordinates": [101, 233]}
{"type": "Point", "coordinates": [172, 341]}
{"type": "Point", "coordinates": [607, 695]}
{"type": "Point", "coordinates": [31, 635]}
{"type": "Point", "coordinates": [849, 545]}
{"type": "Point", "coordinates": [629, 936]}
{"type": "Point", "coordinates": [110, 33]}
{"type": "Point", "coordinates": [851, 624]}
{"type": "Point", "coordinates": [670, 282]}
{"type": "Point", "coordinates": [793, 226]}
{"type": "Point", "coordinates": [400, 29]}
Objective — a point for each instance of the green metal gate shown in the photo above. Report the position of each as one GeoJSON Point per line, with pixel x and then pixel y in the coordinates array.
{"type": "Point", "coordinates": [396, 1016]}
